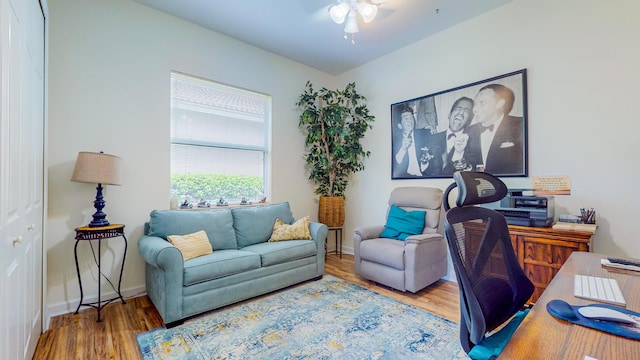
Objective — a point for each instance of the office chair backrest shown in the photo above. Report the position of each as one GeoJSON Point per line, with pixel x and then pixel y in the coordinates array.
{"type": "Point", "coordinates": [493, 286]}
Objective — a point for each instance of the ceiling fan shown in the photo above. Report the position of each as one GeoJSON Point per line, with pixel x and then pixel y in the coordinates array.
{"type": "Point", "coordinates": [347, 11]}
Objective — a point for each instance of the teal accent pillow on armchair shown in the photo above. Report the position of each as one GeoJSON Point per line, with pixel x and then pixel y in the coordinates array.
{"type": "Point", "coordinates": [401, 223]}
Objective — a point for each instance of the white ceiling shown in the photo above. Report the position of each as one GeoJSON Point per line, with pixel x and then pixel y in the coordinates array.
{"type": "Point", "coordinates": [301, 30]}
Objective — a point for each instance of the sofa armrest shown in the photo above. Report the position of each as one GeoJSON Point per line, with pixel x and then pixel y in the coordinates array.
{"type": "Point", "coordinates": [319, 233]}
{"type": "Point", "coordinates": [369, 232]}
{"type": "Point", "coordinates": [160, 253]}
{"type": "Point", "coordinates": [163, 276]}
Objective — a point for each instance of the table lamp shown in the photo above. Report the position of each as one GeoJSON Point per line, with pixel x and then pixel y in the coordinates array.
{"type": "Point", "coordinates": [97, 168]}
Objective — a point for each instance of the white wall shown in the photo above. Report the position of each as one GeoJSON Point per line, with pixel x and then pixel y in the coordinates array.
{"type": "Point", "coordinates": [109, 88]}
{"type": "Point", "coordinates": [582, 61]}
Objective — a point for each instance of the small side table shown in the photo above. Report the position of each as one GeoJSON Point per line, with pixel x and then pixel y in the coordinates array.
{"type": "Point", "coordinates": [337, 230]}
{"type": "Point", "coordinates": [98, 233]}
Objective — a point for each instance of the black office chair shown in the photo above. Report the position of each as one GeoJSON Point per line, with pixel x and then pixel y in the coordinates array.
{"type": "Point", "coordinates": [493, 286]}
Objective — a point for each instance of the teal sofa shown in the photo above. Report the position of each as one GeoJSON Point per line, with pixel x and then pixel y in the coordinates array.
{"type": "Point", "coordinates": [243, 263]}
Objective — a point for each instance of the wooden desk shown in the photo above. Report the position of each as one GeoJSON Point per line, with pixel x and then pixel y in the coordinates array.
{"type": "Point", "coordinates": [541, 336]}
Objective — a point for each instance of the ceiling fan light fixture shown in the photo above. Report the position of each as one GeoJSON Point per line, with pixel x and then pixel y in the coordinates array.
{"type": "Point", "coordinates": [367, 11]}
{"type": "Point", "coordinates": [339, 12]}
{"type": "Point", "coordinates": [352, 24]}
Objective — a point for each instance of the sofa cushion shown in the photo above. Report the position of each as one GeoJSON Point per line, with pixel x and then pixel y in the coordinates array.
{"type": "Point", "coordinates": [299, 230]}
{"type": "Point", "coordinates": [192, 245]}
{"type": "Point", "coordinates": [218, 224]}
{"type": "Point", "coordinates": [272, 253]}
{"type": "Point", "coordinates": [254, 224]}
{"type": "Point", "coordinates": [219, 264]}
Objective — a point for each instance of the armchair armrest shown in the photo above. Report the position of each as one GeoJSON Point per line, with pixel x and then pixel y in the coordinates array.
{"type": "Point", "coordinates": [362, 234]}
{"type": "Point", "coordinates": [369, 232]}
{"type": "Point", "coordinates": [425, 258]}
{"type": "Point", "coordinates": [423, 238]}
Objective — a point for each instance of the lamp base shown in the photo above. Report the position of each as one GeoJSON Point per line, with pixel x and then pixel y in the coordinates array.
{"type": "Point", "coordinates": [99, 217]}
{"type": "Point", "coordinates": [97, 222]}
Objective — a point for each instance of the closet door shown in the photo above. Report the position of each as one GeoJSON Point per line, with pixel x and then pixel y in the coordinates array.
{"type": "Point", "coordinates": [21, 176]}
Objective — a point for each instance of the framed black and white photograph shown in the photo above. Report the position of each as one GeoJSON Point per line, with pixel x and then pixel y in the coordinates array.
{"type": "Point", "coordinates": [480, 126]}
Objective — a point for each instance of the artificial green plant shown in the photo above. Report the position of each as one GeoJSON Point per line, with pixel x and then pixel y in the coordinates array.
{"type": "Point", "coordinates": [334, 122]}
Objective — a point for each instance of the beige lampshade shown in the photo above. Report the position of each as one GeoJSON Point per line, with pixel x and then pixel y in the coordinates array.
{"type": "Point", "coordinates": [97, 168]}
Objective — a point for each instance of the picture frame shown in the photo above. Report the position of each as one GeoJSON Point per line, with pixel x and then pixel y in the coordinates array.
{"type": "Point", "coordinates": [481, 126]}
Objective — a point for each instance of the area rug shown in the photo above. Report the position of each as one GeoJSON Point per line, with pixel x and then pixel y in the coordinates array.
{"type": "Point", "coordinates": [325, 319]}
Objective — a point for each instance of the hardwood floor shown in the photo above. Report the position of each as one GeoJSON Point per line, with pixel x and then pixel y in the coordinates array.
{"type": "Point", "coordinates": [79, 336]}
{"type": "Point", "coordinates": [440, 298]}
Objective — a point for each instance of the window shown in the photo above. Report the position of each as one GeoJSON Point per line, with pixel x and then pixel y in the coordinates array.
{"type": "Point", "coordinates": [219, 141]}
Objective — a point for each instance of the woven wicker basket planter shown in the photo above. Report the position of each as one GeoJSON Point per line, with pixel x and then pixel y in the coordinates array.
{"type": "Point", "coordinates": [331, 211]}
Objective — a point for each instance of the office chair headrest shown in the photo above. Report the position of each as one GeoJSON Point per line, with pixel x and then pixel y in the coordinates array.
{"type": "Point", "coordinates": [475, 188]}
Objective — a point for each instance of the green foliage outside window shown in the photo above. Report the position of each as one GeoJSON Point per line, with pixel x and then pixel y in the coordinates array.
{"type": "Point", "coordinates": [212, 187]}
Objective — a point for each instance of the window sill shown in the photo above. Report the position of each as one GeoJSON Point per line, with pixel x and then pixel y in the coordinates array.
{"type": "Point", "coordinates": [215, 207]}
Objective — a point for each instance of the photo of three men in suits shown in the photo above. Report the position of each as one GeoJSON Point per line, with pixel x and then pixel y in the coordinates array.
{"type": "Point", "coordinates": [481, 133]}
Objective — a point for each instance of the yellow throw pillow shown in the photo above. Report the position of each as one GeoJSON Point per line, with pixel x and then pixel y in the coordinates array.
{"type": "Point", "coordinates": [192, 245]}
{"type": "Point", "coordinates": [297, 231]}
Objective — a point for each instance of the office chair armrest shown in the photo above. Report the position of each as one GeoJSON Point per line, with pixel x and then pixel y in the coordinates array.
{"type": "Point", "coordinates": [423, 238]}
{"type": "Point", "coordinates": [369, 232]}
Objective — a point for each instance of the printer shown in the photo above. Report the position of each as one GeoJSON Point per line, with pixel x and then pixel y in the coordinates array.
{"type": "Point", "coordinates": [525, 210]}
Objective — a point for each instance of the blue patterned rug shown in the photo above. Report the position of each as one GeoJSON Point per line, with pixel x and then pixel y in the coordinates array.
{"type": "Point", "coordinates": [325, 319]}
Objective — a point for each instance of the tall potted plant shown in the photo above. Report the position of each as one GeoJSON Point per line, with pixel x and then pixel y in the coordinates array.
{"type": "Point", "coordinates": [334, 122]}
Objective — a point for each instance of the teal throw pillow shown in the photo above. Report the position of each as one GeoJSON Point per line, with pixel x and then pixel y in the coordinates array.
{"type": "Point", "coordinates": [401, 223]}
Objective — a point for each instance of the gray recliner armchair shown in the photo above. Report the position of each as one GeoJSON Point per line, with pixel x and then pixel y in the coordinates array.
{"type": "Point", "coordinates": [411, 264]}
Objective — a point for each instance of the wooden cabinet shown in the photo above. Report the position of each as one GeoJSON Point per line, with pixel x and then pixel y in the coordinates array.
{"type": "Point", "coordinates": [542, 252]}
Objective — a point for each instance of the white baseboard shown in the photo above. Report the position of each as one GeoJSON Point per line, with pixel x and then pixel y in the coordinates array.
{"type": "Point", "coordinates": [70, 306]}
{"type": "Point", "coordinates": [345, 250]}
